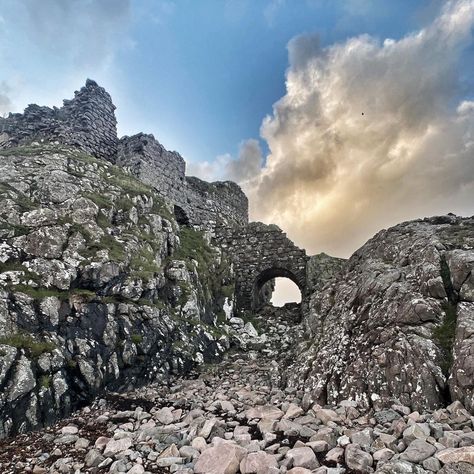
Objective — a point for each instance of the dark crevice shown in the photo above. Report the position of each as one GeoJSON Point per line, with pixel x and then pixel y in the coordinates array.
{"type": "Point", "coordinates": [444, 334]}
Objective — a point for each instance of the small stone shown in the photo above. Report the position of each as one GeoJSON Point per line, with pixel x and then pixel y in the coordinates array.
{"type": "Point", "coordinates": [357, 459]}
{"type": "Point", "coordinates": [417, 451]}
{"type": "Point", "coordinates": [116, 446]}
{"type": "Point", "coordinates": [453, 455]}
{"type": "Point", "coordinates": [257, 463]}
{"type": "Point", "coordinates": [93, 458]}
{"type": "Point", "coordinates": [223, 458]}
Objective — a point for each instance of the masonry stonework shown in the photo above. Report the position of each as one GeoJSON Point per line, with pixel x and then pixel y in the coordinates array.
{"type": "Point", "coordinates": [261, 253]}
{"type": "Point", "coordinates": [197, 203]}
{"type": "Point", "coordinates": [87, 122]}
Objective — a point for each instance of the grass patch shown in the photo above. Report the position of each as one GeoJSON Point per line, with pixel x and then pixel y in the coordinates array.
{"type": "Point", "coordinates": [124, 203]}
{"type": "Point", "coordinates": [107, 242]}
{"type": "Point", "coordinates": [445, 333]}
{"type": "Point", "coordinates": [98, 199]}
{"type": "Point", "coordinates": [26, 150]}
{"type": "Point", "coordinates": [40, 293]}
{"type": "Point", "coordinates": [136, 338]}
{"type": "Point", "coordinates": [26, 342]}
{"type": "Point", "coordinates": [17, 229]}
{"type": "Point", "coordinates": [45, 381]}
{"type": "Point", "coordinates": [228, 291]}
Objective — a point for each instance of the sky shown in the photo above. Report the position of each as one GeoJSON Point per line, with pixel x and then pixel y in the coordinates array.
{"type": "Point", "coordinates": [337, 118]}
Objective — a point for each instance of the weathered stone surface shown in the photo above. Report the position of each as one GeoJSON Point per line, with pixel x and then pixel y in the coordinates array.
{"type": "Point", "coordinates": [223, 458]}
{"type": "Point", "coordinates": [87, 121]}
{"type": "Point", "coordinates": [357, 459]}
{"type": "Point", "coordinates": [261, 253]}
{"type": "Point", "coordinates": [377, 328]}
{"type": "Point", "coordinates": [418, 450]}
{"type": "Point", "coordinates": [258, 463]}
{"type": "Point", "coordinates": [454, 455]}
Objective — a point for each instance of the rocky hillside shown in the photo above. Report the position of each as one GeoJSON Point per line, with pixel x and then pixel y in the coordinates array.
{"type": "Point", "coordinates": [99, 285]}
{"type": "Point", "coordinates": [235, 417]}
{"type": "Point", "coordinates": [396, 324]}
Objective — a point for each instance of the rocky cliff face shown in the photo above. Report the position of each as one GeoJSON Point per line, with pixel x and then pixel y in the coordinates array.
{"type": "Point", "coordinates": [396, 325]}
{"type": "Point", "coordinates": [99, 285]}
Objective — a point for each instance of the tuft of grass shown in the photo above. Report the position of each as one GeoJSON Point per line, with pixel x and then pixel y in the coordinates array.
{"type": "Point", "coordinates": [40, 293]}
{"type": "Point", "coordinates": [26, 342]}
{"type": "Point", "coordinates": [445, 335]}
{"type": "Point", "coordinates": [136, 338]}
{"type": "Point", "coordinates": [45, 381]}
{"type": "Point", "coordinates": [98, 199]}
{"type": "Point", "coordinates": [228, 291]}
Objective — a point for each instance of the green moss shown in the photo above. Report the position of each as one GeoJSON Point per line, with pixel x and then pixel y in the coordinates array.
{"type": "Point", "coordinates": [136, 338]}
{"type": "Point", "coordinates": [17, 229]}
{"type": "Point", "coordinates": [99, 199]}
{"type": "Point", "coordinates": [71, 364]}
{"type": "Point", "coordinates": [228, 291]}
{"type": "Point", "coordinates": [445, 334]}
{"type": "Point", "coordinates": [31, 346]}
{"type": "Point", "coordinates": [45, 381]}
{"type": "Point", "coordinates": [40, 293]}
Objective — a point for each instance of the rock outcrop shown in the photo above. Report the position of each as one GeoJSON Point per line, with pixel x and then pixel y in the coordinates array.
{"type": "Point", "coordinates": [396, 324]}
{"type": "Point", "coordinates": [99, 286]}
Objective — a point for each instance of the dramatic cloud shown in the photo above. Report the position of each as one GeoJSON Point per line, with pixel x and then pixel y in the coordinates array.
{"type": "Point", "coordinates": [368, 134]}
{"type": "Point", "coordinates": [247, 165]}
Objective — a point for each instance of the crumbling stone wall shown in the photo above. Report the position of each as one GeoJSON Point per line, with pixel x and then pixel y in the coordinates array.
{"type": "Point", "coordinates": [203, 205]}
{"type": "Point", "coordinates": [144, 157]}
{"type": "Point", "coordinates": [87, 122]}
{"type": "Point", "coordinates": [260, 253]}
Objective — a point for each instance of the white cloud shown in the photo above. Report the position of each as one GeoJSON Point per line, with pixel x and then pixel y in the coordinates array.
{"type": "Point", "coordinates": [367, 136]}
{"type": "Point", "coordinates": [244, 168]}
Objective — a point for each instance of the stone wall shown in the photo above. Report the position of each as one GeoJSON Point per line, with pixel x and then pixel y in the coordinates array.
{"type": "Point", "coordinates": [199, 204]}
{"type": "Point", "coordinates": [144, 157]}
{"type": "Point", "coordinates": [87, 122]}
{"type": "Point", "coordinates": [260, 253]}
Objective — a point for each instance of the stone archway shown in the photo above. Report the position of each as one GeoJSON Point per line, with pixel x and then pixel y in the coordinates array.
{"type": "Point", "coordinates": [260, 253]}
{"type": "Point", "coordinates": [268, 275]}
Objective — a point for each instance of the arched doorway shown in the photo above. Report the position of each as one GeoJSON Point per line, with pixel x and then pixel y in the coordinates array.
{"type": "Point", "coordinates": [285, 291]}
{"type": "Point", "coordinates": [264, 285]}
{"type": "Point", "coordinates": [181, 216]}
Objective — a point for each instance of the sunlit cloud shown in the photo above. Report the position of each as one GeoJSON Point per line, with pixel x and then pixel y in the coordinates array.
{"type": "Point", "coordinates": [367, 136]}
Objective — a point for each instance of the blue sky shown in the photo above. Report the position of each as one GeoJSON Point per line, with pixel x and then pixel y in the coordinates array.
{"type": "Point", "coordinates": [199, 74]}
{"type": "Point", "coordinates": [270, 93]}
